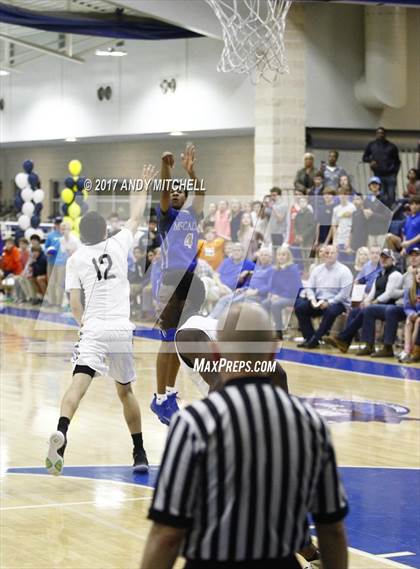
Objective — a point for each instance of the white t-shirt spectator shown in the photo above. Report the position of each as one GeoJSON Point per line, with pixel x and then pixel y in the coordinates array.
{"type": "Point", "coordinates": [343, 218]}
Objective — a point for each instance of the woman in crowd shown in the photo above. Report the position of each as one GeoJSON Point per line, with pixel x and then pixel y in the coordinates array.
{"type": "Point", "coordinates": [285, 286]}
{"type": "Point", "coordinates": [305, 176]}
{"type": "Point", "coordinates": [411, 352]}
{"type": "Point", "coordinates": [211, 215]}
{"type": "Point", "coordinates": [222, 220]}
{"type": "Point", "coordinates": [362, 257]}
{"type": "Point", "coordinates": [413, 184]}
{"type": "Point", "coordinates": [319, 258]}
{"type": "Point", "coordinates": [248, 237]}
{"type": "Point", "coordinates": [235, 219]}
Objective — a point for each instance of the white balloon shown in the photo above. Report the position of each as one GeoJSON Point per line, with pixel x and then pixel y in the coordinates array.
{"type": "Point", "coordinates": [29, 232]}
{"type": "Point", "coordinates": [38, 196]}
{"type": "Point", "coordinates": [27, 194]}
{"type": "Point", "coordinates": [24, 222]}
{"type": "Point", "coordinates": [28, 208]}
{"type": "Point", "coordinates": [21, 180]}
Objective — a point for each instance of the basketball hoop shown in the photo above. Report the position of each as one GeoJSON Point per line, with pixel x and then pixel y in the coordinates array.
{"type": "Point", "coordinates": [254, 40]}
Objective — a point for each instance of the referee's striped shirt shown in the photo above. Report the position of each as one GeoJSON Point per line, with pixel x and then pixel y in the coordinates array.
{"type": "Point", "coordinates": [242, 469]}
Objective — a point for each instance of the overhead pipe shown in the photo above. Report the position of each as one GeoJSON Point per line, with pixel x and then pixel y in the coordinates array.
{"type": "Point", "coordinates": [385, 81]}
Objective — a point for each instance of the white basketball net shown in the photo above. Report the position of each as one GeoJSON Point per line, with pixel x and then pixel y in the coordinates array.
{"type": "Point", "coordinates": [253, 32]}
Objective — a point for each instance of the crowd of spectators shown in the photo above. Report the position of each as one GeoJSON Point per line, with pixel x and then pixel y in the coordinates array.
{"type": "Point", "coordinates": [324, 251]}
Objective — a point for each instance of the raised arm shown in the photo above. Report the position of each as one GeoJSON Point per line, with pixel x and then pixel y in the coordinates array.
{"type": "Point", "coordinates": [166, 165]}
{"type": "Point", "coordinates": [149, 173]}
{"type": "Point", "coordinates": [188, 160]}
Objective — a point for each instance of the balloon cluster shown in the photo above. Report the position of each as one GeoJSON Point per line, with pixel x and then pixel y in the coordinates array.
{"type": "Point", "coordinates": [28, 202]}
{"type": "Point", "coordinates": [74, 196]}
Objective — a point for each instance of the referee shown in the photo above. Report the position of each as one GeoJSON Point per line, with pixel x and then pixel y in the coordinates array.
{"type": "Point", "coordinates": [243, 468]}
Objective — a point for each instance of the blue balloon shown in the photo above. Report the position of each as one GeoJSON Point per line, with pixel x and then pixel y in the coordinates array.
{"type": "Point", "coordinates": [38, 208]}
{"type": "Point", "coordinates": [85, 207]}
{"type": "Point", "coordinates": [28, 166]}
{"type": "Point", "coordinates": [81, 183]}
{"type": "Point", "coordinates": [64, 208]}
{"type": "Point", "coordinates": [18, 202]}
{"type": "Point", "coordinates": [19, 233]}
{"type": "Point", "coordinates": [33, 180]}
{"type": "Point", "coordinates": [35, 221]}
{"type": "Point", "coordinates": [69, 182]}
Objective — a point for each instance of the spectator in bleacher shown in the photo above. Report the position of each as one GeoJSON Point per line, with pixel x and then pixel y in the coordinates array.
{"type": "Point", "coordinates": [305, 231]}
{"type": "Point", "coordinates": [24, 251]}
{"type": "Point", "coordinates": [211, 248]}
{"type": "Point", "coordinates": [10, 262]}
{"type": "Point", "coordinates": [332, 172]}
{"type": "Point", "coordinates": [342, 220]}
{"type": "Point", "coordinates": [256, 208]}
{"type": "Point", "coordinates": [35, 240]}
{"type": "Point", "coordinates": [371, 269]}
{"type": "Point", "coordinates": [278, 218]}
{"type": "Point", "coordinates": [413, 184]}
{"type": "Point", "coordinates": [10, 267]}
{"type": "Point", "coordinates": [362, 257]}
{"type": "Point", "coordinates": [319, 257]}
{"type": "Point", "coordinates": [410, 230]}
{"type": "Point", "coordinates": [39, 273]}
{"type": "Point", "coordinates": [51, 248]}
{"type": "Point", "coordinates": [228, 249]}
{"type": "Point", "coordinates": [411, 352]}
{"type": "Point", "coordinates": [285, 286]}
{"type": "Point", "coordinates": [211, 214]}
{"type": "Point", "coordinates": [292, 213]}
{"type": "Point", "coordinates": [23, 284]}
{"type": "Point", "coordinates": [323, 216]}
{"type": "Point", "coordinates": [359, 225]}
{"type": "Point", "coordinates": [235, 270]}
{"type": "Point", "coordinates": [386, 289]}
{"type": "Point", "coordinates": [114, 223]}
{"type": "Point", "coordinates": [327, 295]}
{"type": "Point", "coordinates": [262, 224]}
{"type": "Point", "coordinates": [222, 220]}
{"type": "Point", "coordinates": [305, 176]}
{"type": "Point", "coordinates": [318, 186]}
{"type": "Point", "coordinates": [235, 219]}
{"type": "Point", "coordinates": [384, 160]}
{"type": "Point", "coordinates": [377, 214]}
{"type": "Point", "coordinates": [248, 237]}
{"type": "Point", "coordinates": [255, 288]}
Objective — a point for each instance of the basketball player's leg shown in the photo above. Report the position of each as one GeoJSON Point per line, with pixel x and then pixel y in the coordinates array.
{"type": "Point", "coordinates": [132, 416]}
{"type": "Point", "coordinates": [122, 370]}
{"type": "Point", "coordinates": [82, 378]}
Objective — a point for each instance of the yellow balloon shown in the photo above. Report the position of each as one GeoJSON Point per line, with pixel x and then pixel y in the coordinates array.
{"type": "Point", "coordinates": [67, 195]}
{"type": "Point", "coordinates": [76, 223]}
{"type": "Point", "coordinates": [68, 220]}
{"type": "Point", "coordinates": [85, 194]}
{"type": "Point", "coordinates": [74, 188]}
{"type": "Point", "coordinates": [74, 210]}
{"type": "Point", "coordinates": [75, 167]}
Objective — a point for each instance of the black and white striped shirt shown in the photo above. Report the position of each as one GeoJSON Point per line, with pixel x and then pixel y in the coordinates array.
{"type": "Point", "coordinates": [241, 471]}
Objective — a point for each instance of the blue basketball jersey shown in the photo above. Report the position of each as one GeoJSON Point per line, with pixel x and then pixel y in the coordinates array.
{"type": "Point", "coordinates": [178, 229]}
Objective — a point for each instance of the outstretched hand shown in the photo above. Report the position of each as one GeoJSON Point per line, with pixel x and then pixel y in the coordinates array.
{"type": "Point", "coordinates": [188, 159]}
{"type": "Point", "coordinates": [149, 173]}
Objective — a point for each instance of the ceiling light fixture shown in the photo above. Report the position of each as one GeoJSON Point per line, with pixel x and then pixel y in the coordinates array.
{"type": "Point", "coordinates": [3, 73]}
{"type": "Point", "coordinates": [110, 52]}
{"type": "Point", "coordinates": [176, 133]}
{"type": "Point", "coordinates": [71, 139]}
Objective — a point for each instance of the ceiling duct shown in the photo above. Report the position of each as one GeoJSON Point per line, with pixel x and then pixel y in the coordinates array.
{"type": "Point", "coordinates": [384, 83]}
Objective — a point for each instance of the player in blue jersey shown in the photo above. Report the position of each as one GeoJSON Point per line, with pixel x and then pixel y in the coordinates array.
{"type": "Point", "coordinates": [178, 229]}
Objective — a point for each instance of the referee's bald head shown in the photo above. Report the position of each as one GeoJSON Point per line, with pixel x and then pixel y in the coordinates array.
{"type": "Point", "coordinates": [246, 332]}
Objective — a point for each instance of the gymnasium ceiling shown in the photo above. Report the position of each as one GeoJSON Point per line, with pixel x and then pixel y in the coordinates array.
{"type": "Point", "coordinates": [29, 44]}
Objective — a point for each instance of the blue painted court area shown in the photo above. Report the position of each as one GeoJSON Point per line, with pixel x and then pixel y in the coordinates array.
{"type": "Point", "coordinates": [355, 365]}
{"type": "Point", "coordinates": [384, 504]}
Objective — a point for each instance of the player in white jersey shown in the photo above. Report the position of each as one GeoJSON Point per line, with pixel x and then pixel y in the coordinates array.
{"type": "Point", "coordinates": [99, 270]}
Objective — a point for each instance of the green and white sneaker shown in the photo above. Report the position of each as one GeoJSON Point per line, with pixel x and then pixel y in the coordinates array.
{"type": "Point", "coordinates": [54, 461]}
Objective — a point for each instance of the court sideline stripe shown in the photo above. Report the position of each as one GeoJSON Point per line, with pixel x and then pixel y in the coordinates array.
{"type": "Point", "coordinates": [65, 504]}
